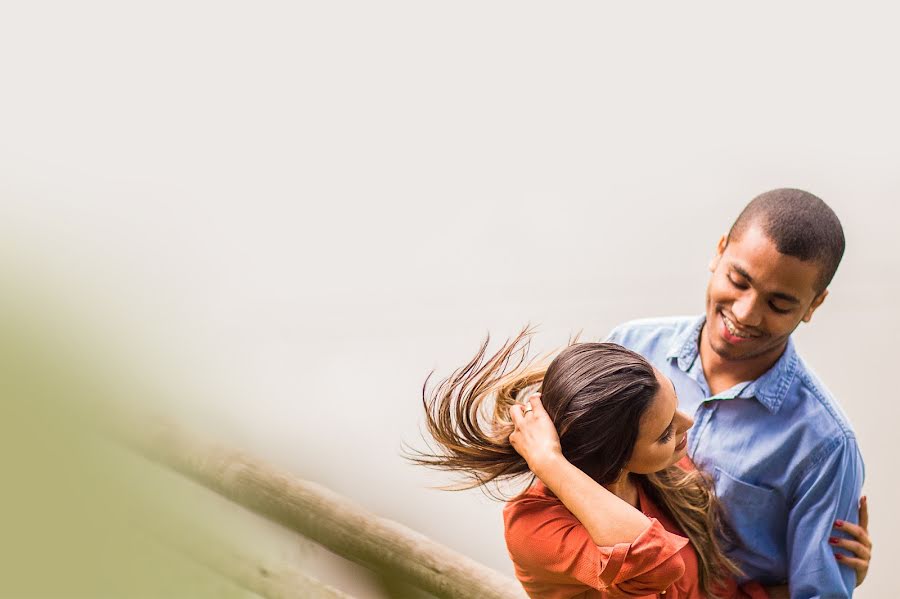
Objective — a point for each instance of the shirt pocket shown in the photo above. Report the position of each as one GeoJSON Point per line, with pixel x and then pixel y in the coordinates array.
{"type": "Point", "coordinates": [757, 515]}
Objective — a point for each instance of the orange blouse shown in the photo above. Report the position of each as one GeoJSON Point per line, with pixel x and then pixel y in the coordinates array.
{"type": "Point", "coordinates": [555, 558]}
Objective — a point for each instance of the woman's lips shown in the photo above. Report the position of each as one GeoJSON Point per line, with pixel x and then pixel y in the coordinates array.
{"type": "Point", "coordinates": [681, 443]}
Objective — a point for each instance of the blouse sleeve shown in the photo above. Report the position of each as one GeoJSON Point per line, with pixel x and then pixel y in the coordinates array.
{"type": "Point", "coordinates": [551, 550]}
{"type": "Point", "coordinates": [748, 590]}
{"type": "Point", "coordinates": [753, 590]}
{"type": "Point", "coordinates": [730, 589]}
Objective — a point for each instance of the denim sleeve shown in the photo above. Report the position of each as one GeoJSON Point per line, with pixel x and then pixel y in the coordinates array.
{"type": "Point", "coordinates": [828, 490]}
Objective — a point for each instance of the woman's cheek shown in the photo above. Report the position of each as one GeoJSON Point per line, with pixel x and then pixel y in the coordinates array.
{"type": "Point", "coordinates": [667, 454]}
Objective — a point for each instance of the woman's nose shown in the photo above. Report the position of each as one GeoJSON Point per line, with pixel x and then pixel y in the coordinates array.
{"type": "Point", "coordinates": [686, 421]}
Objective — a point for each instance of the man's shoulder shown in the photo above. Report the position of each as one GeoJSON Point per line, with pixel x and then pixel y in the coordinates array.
{"type": "Point", "coordinates": [820, 424]}
{"type": "Point", "coordinates": [818, 404]}
{"type": "Point", "coordinates": [643, 332]}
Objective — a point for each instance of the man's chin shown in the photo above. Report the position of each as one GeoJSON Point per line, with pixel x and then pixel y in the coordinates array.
{"type": "Point", "coordinates": [727, 351]}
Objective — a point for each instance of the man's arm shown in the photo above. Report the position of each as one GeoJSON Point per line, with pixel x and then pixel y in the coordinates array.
{"type": "Point", "coordinates": [828, 491]}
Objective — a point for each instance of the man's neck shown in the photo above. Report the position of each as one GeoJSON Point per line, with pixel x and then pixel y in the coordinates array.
{"type": "Point", "coordinates": [723, 374]}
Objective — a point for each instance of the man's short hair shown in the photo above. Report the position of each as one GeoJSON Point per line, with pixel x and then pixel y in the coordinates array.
{"type": "Point", "coordinates": [800, 224]}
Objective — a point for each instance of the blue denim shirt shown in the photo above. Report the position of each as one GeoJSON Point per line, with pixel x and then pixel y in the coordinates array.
{"type": "Point", "coordinates": [783, 456]}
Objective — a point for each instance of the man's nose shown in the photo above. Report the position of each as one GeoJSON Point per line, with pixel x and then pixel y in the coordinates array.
{"type": "Point", "coordinates": [746, 310]}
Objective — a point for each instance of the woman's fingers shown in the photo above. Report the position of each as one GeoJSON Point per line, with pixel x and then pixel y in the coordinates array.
{"type": "Point", "coordinates": [857, 564]}
{"type": "Point", "coordinates": [857, 549]}
{"type": "Point", "coordinates": [860, 545]}
{"type": "Point", "coordinates": [857, 532]}
{"type": "Point", "coordinates": [535, 437]}
{"type": "Point", "coordinates": [515, 412]}
{"type": "Point", "coordinates": [519, 411]}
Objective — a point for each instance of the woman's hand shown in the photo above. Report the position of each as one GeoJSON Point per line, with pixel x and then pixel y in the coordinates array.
{"type": "Point", "coordinates": [608, 519]}
{"type": "Point", "coordinates": [860, 545]}
{"type": "Point", "coordinates": [535, 436]}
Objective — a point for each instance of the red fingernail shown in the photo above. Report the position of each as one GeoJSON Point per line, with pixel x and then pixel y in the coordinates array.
{"type": "Point", "coordinates": [838, 556]}
{"type": "Point", "coordinates": [838, 523]}
{"type": "Point", "coordinates": [832, 540]}
{"type": "Point", "coordinates": [863, 500]}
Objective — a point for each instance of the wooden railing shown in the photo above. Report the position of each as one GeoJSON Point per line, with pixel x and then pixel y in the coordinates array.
{"type": "Point", "coordinates": [384, 546]}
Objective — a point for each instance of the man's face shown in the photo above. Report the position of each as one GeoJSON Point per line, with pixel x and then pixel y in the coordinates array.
{"type": "Point", "coordinates": [757, 296]}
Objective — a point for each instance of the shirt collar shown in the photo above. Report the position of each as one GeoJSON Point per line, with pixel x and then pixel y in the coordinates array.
{"type": "Point", "coordinates": [770, 389]}
{"type": "Point", "coordinates": [686, 345]}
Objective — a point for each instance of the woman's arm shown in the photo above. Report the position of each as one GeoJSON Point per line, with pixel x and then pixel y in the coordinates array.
{"type": "Point", "coordinates": [608, 519]}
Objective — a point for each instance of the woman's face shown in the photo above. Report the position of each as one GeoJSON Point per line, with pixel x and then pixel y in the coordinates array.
{"type": "Point", "coordinates": [662, 438]}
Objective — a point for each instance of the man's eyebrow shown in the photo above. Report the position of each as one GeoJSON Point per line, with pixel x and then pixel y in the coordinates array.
{"type": "Point", "coordinates": [779, 294]}
{"type": "Point", "coordinates": [784, 296]}
{"type": "Point", "coordinates": [740, 270]}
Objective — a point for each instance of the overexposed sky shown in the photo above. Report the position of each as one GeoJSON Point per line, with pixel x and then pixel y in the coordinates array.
{"type": "Point", "coordinates": [301, 208]}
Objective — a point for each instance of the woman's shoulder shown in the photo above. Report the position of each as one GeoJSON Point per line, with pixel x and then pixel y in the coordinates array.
{"type": "Point", "coordinates": [537, 525]}
{"type": "Point", "coordinates": [550, 547]}
{"type": "Point", "coordinates": [534, 506]}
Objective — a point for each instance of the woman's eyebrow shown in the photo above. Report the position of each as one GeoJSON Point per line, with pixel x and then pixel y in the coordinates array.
{"type": "Point", "coordinates": [666, 430]}
{"type": "Point", "coordinates": [673, 415]}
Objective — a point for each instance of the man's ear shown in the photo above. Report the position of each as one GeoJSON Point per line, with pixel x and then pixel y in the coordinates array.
{"type": "Point", "coordinates": [815, 304]}
{"type": "Point", "coordinates": [720, 249]}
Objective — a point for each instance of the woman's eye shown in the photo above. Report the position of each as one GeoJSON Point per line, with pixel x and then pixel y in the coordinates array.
{"type": "Point", "coordinates": [667, 436]}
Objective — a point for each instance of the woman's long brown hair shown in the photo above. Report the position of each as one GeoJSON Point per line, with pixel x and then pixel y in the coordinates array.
{"type": "Point", "coordinates": [596, 395]}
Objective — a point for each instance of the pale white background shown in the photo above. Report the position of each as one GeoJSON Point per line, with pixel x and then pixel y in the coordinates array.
{"type": "Point", "coordinates": [299, 209]}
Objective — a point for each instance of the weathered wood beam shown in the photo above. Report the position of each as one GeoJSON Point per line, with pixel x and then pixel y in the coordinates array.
{"type": "Point", "coordinates": [322, 515]}
{"type": "Point", "coordinates": [272, 581]}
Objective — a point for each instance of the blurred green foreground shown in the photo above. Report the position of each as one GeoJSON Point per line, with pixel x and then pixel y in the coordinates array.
{"type": "Point", "coordinates": [80, 515]}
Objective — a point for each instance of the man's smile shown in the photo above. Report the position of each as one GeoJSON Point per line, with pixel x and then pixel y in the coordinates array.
{"type": "Point", "coordinates": [734, 334]}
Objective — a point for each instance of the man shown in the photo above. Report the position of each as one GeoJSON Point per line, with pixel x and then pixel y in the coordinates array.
{"type": "Point", "coordinates": [784, 457]}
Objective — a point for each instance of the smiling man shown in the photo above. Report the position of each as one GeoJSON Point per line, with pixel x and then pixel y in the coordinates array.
{"type": "Point", "coordinates": [784, 457]}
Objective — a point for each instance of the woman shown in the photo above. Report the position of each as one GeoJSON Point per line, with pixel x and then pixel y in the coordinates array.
{"type": "Point", "coordinates": [616, 511]}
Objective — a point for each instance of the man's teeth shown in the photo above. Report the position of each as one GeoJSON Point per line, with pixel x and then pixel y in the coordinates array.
{"type": "Point", "coordinates": [732, 330]}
